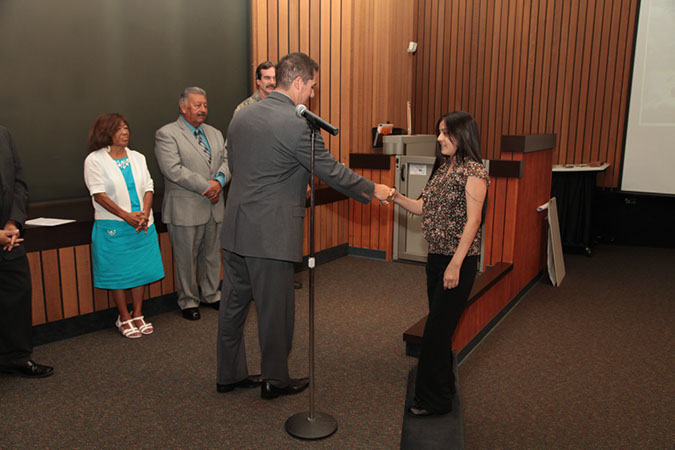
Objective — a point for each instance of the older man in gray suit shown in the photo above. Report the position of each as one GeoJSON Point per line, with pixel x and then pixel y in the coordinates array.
{"type": "Point", "coordinates": [269, 154]}
{"type": "Point", "coordinates": [193, 160]}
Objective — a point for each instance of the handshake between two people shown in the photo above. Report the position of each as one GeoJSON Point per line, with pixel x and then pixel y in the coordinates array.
{"type": "Point", "coordinates": [384, 193]}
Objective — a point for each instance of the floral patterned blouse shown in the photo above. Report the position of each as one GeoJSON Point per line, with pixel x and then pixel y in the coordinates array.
{"type": "Point", "coordinates": [444, 211]}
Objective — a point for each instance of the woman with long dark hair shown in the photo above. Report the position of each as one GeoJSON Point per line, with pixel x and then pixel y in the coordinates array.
{"type": "Point", "coordinates": [451, 206]}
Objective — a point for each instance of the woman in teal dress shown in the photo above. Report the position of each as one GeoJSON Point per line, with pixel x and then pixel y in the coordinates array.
{"type": "Point", "coordinates": [125, 249]}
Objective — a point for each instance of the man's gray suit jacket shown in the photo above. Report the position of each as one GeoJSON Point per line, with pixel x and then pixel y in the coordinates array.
{"type": "Point", "coordinates": [186, 171]}
{"type": "Point", "coordinates": [268, 153]}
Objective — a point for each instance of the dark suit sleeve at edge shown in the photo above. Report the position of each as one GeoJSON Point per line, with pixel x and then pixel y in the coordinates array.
{"type": "Point", "coordinates": [18, 208]}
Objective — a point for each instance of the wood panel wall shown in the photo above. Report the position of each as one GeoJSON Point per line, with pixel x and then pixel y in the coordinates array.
{"type": "Point", "coordinates": [365, 79]}
{"type": "Point", "coordinates": [529, 67]}
{"type": "Point", "coordinates": [62, 282]}
{"type": "Point", "coordinates": [516, 233]}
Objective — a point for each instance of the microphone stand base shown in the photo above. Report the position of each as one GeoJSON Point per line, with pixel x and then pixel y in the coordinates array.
{"type": "Point", "coordinates": [321, 426]}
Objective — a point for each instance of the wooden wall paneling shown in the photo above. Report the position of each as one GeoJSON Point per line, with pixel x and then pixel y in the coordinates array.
{"type": "Point", "coordinates": [555, 19]}
{"type": "Point", "coordinates": [324, 87]}
{"type": "Point", "coordinates": [490, 109]}
{"type": "Point", "coordinates": [366, 216]}
{"type": "Point", "coordinates": [335, 62]}
{"type": "Point", "coordinates": [444, 62]}
{"type": "Point", "coordinates": [489, 223]}
{"type": "Point", "coordinates": [260, 32]}
{"type": "Point", "coordinates": [511, 203]}
{"type": "Point", "coordinates": [52, 284]}
{"type": "Point", "coordinates": [386, 225]}
{"type": "Point", "coordinates": [463, 56]}
{"type": "Point", "coordinates": [272, 31]}
{"type": "Point", "coordinates": [168, 284]}
{"type": "Point", "coordinates": [534, 189]}
{"type": "Point", "coordinates": [427, 63]}
{"type": "Point", "coordinates": [293, 26]}
{"type": "Point", "coordinates": [476, 83]}
{"type": "Point", "coordinates": [504, 67]}
{"type": "Point", "coordinates": [435, 52]}
{"type": "Point", "coordinates": [522, 64]}
{"type": "Point", "coordinates": [39, 315]}
{"type": "Point", "coordinates": [283, 27]}
{"type": "Point", "coordinates": [101, 299]}
{"type": "Point", "coordinates": [610, 92]}
{"type": "Point", "coordinates": [599, 100]}
{"type": "Point", "coordinates": [513, 61]}
{"type": "Point", "coordinates": [375, 211]}
{"type": "Point", "coordinates": [418, 67]}
{"type": "Point", "coordinates": [627, 49]}
{"type": "Point", "coordinates": [346, 55]}
{"type": "Point", "coordinates": [590, 105]}
{"type": "Point", "coordinates": [304, 25]}
{"type": "Point", "coordinates": [531, 16]}
{"type": "Point", "coordinates": [579, 118]}
{"type": "Point", "coordinates": [499, 219]}
{"type": "Point", "coordinates": [68, 282]}
{"type": "Point", "coordinates": [154, 289]}
{"type": "Point", "coordinates": [357, 219]}
{"type": "Point", "coordinates": [568, 41]}
{"type": "Point", "coordinates": [84, 280]}
{"type": "Point", "coordinates": [543, 65]}
{"type": "Point", "coordinates": [315, 47]}
{"type": "Point", "coordinates": [541, 72]}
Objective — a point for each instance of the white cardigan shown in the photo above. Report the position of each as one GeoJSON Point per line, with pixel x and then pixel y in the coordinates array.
{"type": "Point", "coordinates": [102, 175]}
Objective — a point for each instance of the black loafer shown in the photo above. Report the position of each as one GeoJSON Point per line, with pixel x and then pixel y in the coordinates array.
{"type": "Point", "coordinates": [420, 411]}
{"type": "Point", "coordinates": [30, 369]}
{"type": "Point", "coordinates": [191, 313]}
{"type": "Point", "coordinates": [249, 382]}
{"type": "Point", "coordinates": [268, 392]}
{"type": "Point", "coordinates": [215, 305]}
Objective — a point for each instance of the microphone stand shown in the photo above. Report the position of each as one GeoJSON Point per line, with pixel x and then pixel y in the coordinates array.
{"type": "Point", "coordinates": [311, 424]}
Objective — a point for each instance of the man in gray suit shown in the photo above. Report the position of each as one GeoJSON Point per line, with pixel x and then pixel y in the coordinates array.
{"type": "Point", "coordinates": [16, 326]}
{"type": "Point", "coordinates": [269, 153]}
{"type": "Point", "coordinates": [193, 160]}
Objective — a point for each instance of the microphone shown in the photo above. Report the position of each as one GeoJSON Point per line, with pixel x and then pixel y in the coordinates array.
{"type": "Point", "coordinates": [313, 119]}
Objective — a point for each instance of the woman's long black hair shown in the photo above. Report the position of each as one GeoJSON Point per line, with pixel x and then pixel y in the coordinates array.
{"type": "Point", "coordinates": [463, 130]}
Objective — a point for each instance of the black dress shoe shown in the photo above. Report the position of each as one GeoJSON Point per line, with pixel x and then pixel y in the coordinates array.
{"type": "Point", "coordinates": [215, 305]}
{"type": "Point", "coordinates": [29, 369]}
{"type": "Point", "coordinates": [420, 411]}
{"type": "Point", "coordinates": [191, 313]}
{"type": "Point", "coordinates": [297, 285]}
{"type": "Point", "coordinates": [268, 392]}
{"type": "Point", "coordinates": [249, 382]}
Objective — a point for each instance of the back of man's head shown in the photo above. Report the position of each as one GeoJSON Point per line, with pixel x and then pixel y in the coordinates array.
{"type": "Point", "coordinates": [295, 65]}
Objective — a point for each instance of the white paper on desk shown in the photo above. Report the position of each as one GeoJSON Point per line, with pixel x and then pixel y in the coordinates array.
{"type": "Point", "coordinates": [47, 222]}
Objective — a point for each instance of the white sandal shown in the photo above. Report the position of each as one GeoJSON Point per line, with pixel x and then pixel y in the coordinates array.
{"type": "Point", "coordinates": [132, 332]}
{"type": "Point", "coordinates": [146, 328]}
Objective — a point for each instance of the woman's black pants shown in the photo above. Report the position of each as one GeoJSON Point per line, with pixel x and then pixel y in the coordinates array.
{"type": "Point", "coordinates": [435, 384]}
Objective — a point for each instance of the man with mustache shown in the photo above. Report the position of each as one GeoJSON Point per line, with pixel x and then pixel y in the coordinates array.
{"type": "Point", "coordinates": [193, 159]}
{"type": "Point", "coordinates": [265, 78]}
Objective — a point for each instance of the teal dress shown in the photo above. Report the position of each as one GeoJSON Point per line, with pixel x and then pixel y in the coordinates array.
{"type": "Point", "coordinates": [122, 258]}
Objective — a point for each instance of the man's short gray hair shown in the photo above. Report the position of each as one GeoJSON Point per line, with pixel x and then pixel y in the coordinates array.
{"type": "Point", "coordinates": [190, 90]}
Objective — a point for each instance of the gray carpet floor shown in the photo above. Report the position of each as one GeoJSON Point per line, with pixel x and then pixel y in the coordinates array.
{"type": "Point", "coordinates": [585, 365]}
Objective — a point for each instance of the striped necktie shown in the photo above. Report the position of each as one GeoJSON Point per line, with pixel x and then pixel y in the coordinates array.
{"type": "Point", "coordinates": [203, 145]}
